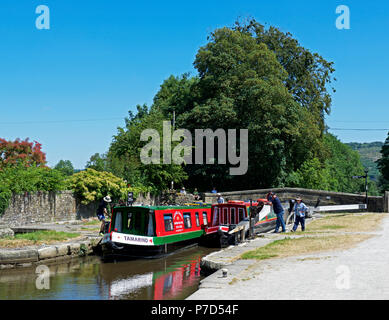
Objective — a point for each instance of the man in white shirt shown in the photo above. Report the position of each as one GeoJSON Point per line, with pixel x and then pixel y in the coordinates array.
{"type": "Point", "coordinates": [220, 199]}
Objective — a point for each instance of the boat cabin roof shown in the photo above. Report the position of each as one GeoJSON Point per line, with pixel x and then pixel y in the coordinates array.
{"type": "Point", "coordinates": [191, 207]}
{"type": "Point", "coordinates": [240, 202]}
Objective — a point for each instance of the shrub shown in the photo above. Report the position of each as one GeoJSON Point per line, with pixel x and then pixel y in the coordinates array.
{"type": "Point", "coordinates": [91, 185]}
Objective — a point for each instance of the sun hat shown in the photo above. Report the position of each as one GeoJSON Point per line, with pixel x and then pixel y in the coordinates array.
{"type": "Point", "coordinates": [107, 199]}
{"type": "Point", "coordinates": [298, 198]}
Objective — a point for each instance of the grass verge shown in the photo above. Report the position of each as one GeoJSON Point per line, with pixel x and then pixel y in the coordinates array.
{"type": "Point", "coordinates": [92, 223]}
{"type": "Point", "coordinates": [347, 222]}
{"type": "Point", "coordinates": [305, 245]}
{"type": "Point", "coordinates": [313, 240]}
{"type": "Point", "coordinates": [37, 238]}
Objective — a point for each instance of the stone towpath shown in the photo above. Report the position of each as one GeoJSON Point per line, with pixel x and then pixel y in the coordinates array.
{"type": "Point", "coordinates": [359, 273]}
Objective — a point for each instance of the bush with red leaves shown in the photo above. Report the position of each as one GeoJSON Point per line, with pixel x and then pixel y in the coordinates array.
{"type": "Point", "coordinates": [21, 152]}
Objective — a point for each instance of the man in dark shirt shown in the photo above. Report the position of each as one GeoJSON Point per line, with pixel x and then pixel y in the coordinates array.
{"type": "Point", "coordinates": [101, 210]}
{"type": "Point", "coordinates": [278, 210]}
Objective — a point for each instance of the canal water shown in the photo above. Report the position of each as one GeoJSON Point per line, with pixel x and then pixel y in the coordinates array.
{"type": "Point", "coordinates": [172, 277]}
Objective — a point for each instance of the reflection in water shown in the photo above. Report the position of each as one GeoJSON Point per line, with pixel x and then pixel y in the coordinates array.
{"type": "Point", "coordinates": [172, 277]}
{"type": "Point", "coordinates": [125, 286]}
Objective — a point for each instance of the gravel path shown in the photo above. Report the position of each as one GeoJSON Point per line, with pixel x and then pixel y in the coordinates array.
{"type": "Point", "coordinates": [358, 273]}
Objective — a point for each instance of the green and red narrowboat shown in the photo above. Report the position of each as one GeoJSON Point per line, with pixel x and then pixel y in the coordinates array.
{"type": "Point", "coordinates": [152, 231]}
{"type": "Point", "coordinates": [227, 216]}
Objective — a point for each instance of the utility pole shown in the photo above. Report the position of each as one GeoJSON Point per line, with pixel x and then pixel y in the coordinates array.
{"type": "Point", "coordinates": [366, 186]}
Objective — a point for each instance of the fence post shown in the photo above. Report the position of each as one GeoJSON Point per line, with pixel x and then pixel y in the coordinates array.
{"type": "Point", "coordinates": [386, 201]}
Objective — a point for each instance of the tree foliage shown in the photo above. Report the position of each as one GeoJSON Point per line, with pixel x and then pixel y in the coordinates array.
{"type": "Point", "coordinates": [21, 152]}
{"type": "Point", "coordinates": [383, 166]}
{"type": "Point", "coordinates": [242, 84]}
{"type": "Point", "coordinates": [308, 74]}
{"type": "Point", "coordinates": [65, 166]}
{"type": "Point", "coordinates": [124, 153]}
{"type": "Point", "coordinates": [335, 173]}
{"type": "Point", "coordinates": [249, 77]}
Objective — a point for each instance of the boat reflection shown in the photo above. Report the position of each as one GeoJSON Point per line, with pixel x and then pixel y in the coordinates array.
{"type": "Point", "coordinates": [170, 279]}
{"type": "Point", "coordinates": [173, 277]}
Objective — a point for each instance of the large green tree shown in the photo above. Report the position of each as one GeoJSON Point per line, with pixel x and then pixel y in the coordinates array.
{"type": "Point", "coordinates": [383, 166]}
{"type": "Point", "coordinates": [249, 77]}
{"type": "Point", "coordinates": [65, 166]}
{"type": "Point", "coordinates": [243, 85]}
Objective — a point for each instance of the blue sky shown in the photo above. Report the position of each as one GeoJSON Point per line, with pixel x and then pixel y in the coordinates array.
{"type": "Point", "coordinates": [101, 58]}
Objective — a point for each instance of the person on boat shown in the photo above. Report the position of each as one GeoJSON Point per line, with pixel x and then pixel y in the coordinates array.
{"type": "Point", "coordinates": [182, 191]}
{"type": "Point", "coordinates": [299, 214]}
{"type": "Point", "coordinates": [214, 190]}
{"type": "Point", "coordinates": [278, 210]}
{"type": "Point", "coordinates": [196, 194]}
{"type": "Point", "coordinates": [101, 211]}
{"type": "Point", "coordinates": [220, 199]}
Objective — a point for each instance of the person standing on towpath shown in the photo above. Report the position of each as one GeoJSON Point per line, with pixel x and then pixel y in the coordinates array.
{"type": "Point", "coordinates": [278, 210]}
{"type": "Point", "coordinates": [299, 214]}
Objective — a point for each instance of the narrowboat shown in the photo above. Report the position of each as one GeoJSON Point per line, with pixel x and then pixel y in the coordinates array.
{"type": "Point", "coordinates": [226, 217]}
{"type": "Point", "coordinates": [153, 231]}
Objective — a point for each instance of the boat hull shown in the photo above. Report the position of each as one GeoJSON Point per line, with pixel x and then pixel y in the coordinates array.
{"type": "Point", "coordinates": [119, 251]}
{"type": "Point", "coordinates": [222, 239]}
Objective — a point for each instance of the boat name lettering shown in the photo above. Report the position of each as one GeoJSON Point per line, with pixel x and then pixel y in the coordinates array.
{"type": "Point", "coordinates": [138, 239]}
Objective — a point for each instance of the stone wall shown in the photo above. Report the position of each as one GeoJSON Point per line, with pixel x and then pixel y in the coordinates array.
{"type": "Point", "coordinates": [62, 206]}
{"type": "Point", "coordinates": [34, 208]}
{"type": "Point", "coordinates": [31, 208]}
{"type": "Point", "coordinates": [310, 197]}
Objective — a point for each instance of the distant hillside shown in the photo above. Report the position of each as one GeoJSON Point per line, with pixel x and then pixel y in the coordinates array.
{"type": "Point", "coordinates": [369, 153]}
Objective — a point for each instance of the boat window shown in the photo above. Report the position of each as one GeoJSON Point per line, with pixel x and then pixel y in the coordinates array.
{"type": "Point", "coordinates": [241, 214]}
{"type": "Point", "coordinates": [225, 216]}
{"type": "Point", "coordinates": [197, 219]}
{"type": "Point", "coordinates": [150, 226]}
{"type": "Point", "coordinates": [205, 219]}
{"type": "Point", "coordinates": [233, 216]}
{"type": "Point", "coordinates": [118, 222]}
{"type": "Point", "coordinates": [168, 218]}
{"type": "Point", "coordinates": [216, 220]}
{"type": "Point", "coordinates": [129, 218]}
{"type": "Point", "coordinates": [187, 221]}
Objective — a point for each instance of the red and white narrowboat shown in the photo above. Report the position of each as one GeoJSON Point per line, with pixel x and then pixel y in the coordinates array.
{"type": "Point", "coordinates": [225, 217]}
{"type": "Point", "coordinates": [152, 231]}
